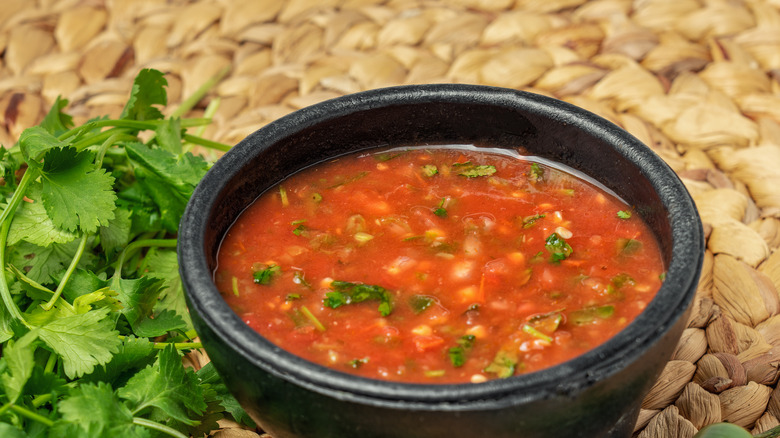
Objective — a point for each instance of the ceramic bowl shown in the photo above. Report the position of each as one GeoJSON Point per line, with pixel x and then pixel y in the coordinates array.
{"type": "Point", "coordinates": [597, 394]}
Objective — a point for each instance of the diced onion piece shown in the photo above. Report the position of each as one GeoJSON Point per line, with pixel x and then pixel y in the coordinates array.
{"type": "Point", "coordinates": [479, 331]}
{"type": "Point", "coordinates": [565, 233]}
{"type": "Point", "coordinates": [422, 330]}
{"type": "Point", "coordinates": [478, 378]}
{"type": "Point", "coordinates": [468, 293]}
{"type": "Point", "coordinates": [463, 269]}
{"type": "Point", "coordinates": [363, 237]}
{"type": "Point", "coordinates": [400, 264]}
{"type": "Point", "coordinates": [472, 246]}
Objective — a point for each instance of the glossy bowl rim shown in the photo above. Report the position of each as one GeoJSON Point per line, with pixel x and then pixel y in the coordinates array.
{"type": "Point", "coordinates": [569, 377]}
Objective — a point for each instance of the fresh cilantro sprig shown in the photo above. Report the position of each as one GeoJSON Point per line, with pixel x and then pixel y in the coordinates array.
{"type": "Point", "coordinates": [93, 318]}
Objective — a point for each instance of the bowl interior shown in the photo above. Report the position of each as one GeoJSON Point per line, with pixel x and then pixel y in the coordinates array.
{"type": "Point", "coordinates": [443, 114]}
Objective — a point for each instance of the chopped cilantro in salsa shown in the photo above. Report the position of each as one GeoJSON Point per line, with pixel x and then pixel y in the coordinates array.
{"type": "Point", "coordinates": [265, 273]}
{"type": "Point", "coordinates": [557, 247]}
{"type": "Point", "coordinates": [344, 293]}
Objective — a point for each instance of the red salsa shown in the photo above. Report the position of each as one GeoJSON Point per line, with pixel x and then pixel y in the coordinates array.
{"type": "Point", "coordinates": [438, 265]}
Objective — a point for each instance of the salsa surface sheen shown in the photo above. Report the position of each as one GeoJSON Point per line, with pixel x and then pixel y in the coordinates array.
{"type": "Point", "coordinates": [438, 265]}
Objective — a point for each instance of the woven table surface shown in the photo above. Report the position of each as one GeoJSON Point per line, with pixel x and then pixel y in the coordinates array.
{"type": "Point", "coordinates": [698, 81]}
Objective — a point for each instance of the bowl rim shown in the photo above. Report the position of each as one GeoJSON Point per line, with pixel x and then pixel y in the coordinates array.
{"type": "Point", "coordinates": [569, 377]}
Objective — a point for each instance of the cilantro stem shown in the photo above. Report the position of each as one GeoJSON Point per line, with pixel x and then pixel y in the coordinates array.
{"type": "Point", "coordinates": [178, 345]}
{"type": "Point", "coordinates": [138, 244]}
{"type": "Point", "coordinates": [138, 125]}
{"type": "Point", "coordinates": [190, 102]}
{"type": "Point", "coordinates": [158, 427]}
{"type": "Point", "coordinates": [207, 143]}
{"type": "Point", "coordinates": [97, 138]}
{"type": "Point", "coordinates": [41, 400]}
{"type": "Point", "coordinates": [68, 273]}
{"type": "Point", "coordinates": [50, 362]}
{"type": "Point", "coordinates": [5, 292]}
{"type": "Point", "coordinates": [5, 220]}
{"type": "Point", "coordinates": [104, 147]}
{"type": "Point", "coordinates": [32, 415]}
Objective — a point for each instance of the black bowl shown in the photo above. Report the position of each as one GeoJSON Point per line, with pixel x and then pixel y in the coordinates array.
{"type": "Point", "coordinates": [594, 395]}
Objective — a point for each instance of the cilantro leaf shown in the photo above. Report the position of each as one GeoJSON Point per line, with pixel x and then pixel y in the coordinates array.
{"type": "Point", "coordinates": [19, 360]}
{"type": "Point", "coordinates": [162, 323]}
{"type": "Point", "coordinates": [116, 234]}
{"type": "Point", "coordinates": [166, 385]}
{"type": "Point", "coordinates": [35, 142]}
{"type": "Point", "coordinates": [138, 296]}
{"type": "Point", "coordinates": [9, 431]}
{"type": "Point", "coordinates": [6, 320]}
{"type": "Point", "coordinates": [624, 214]}
{"type": "Point", "coordinates": [148, 90]}
{"type": "Point", "coordinates": [208, 376]}
{"type": "Point", "coordinates": [33, 224]}
{"type": "Point", "coordinates": [132, 355]}
{"type": "Point", "coordinates": [169, 135]}
{"type": "Point", "coordinates": [44, 263]}
{"type": "Point", "coordinates": [164, 266]}
{"type": "Point", "coordinates": [166, 178]}
{"type": "Point", "coordinates": [82, 340]}
{"type": "Point", "coordinates": [57, 122]}
{"type": "Point", "coordinates": [76, 195]}
{"type": "Point", "coordinates": [94, 410]}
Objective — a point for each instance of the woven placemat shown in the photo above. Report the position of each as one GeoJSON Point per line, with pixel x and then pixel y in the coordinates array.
{"type": "Point", "coordinates": [697, 80]}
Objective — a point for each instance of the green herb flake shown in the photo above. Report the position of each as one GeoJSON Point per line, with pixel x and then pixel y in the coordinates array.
{"type": "Point", "coordinates": [624, 214]}
{"type": "Point", "coordinates": [300, 228]}
{"type": "Point", "coordinates": [357, 363]}
{"type": "Point", "coordinates": [477, 171]}
{"type": "Point", "coordinates": [265, 273]}
{"type": "Point", "coordinates": [419, 303]}
{"type": "Point", "coordinates": [627, 247]}
{"type": "Point", "coordinates": [504, 365]}
{"type": "Point", "coordinates": [662, 276]}
{"type": "Point", "coordinates": [536, 173]}
{"type": "Point", "coordinates": [589, 315]}
{"type": "Point", "coordinates": [458, 353]}
{"type": "Point", "coordinates": [344, 293]}
{"type": "Point", "coordinates": [530, 221]}
{"type": "Point", "coordinates": [299, 278]}
{"type": "Point", "coordinates": [557, 247]}
{"type": "Point", "coordinates": [429, 170]}
{"type": "Point", "coordinates": [440, 210]}
{"type": "Point", "coordinates": [623, 279]}
{"type": "Point", "coordinates": [292, 297]}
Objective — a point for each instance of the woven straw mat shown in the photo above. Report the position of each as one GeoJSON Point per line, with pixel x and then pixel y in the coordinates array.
{"type": "Point", "coordinates": [696, 80]}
